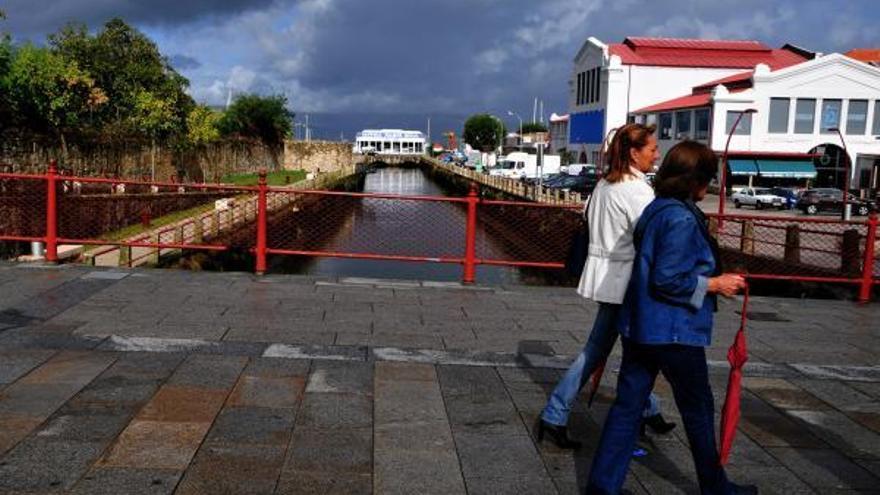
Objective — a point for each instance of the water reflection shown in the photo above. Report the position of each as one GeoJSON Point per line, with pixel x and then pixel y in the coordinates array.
{"type": "Point", "coordinates": [400, 227]}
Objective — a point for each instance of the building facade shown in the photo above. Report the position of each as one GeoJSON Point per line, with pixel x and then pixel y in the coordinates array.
{"type": "Point", "coordinates": [390, 142]}
{"type": "Point", "coordinates": [812, 120]}
{"type": "Point", "coordinates": [695, 89]}
{"type": "Point", "coordinates": [558, 134]}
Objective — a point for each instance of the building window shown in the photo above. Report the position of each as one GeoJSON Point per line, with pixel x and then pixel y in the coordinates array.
{"type": "Point", "coordinates": [701, 122]}
{"type": "Point", "coordinates": [596, 82]}
{"type": "Point", "coordinates": [665, 126]}
{"type": "Point", "coordinates": [805, 116]}
{"type": "Point", "coordinates": [779, 115]}
{"type": "Point", "coordinates": [683, 124]}
{"type": "Point", "coordinates": [745, 123]}
{"type": "Point", "coordinates": [577, 100]}
{"type": "Point", "coordinates": [876, 126]}
{"type": "Point", "coordinates": [857, 117]}
{"type": "Point", "coordinates": [830, 116]}
{"type": "Point", "coordinates": [590, 86]}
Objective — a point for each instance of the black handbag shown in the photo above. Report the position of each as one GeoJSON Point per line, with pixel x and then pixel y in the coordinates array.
{"type": "Point", "coordinates": [579, 248]}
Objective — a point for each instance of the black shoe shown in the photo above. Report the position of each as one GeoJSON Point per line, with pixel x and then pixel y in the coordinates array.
{"type": "Point", "coordinates": [559, 435]}
{"type": "Point", "coordinates": [743, 489]}
{"type": "Point", "coordinates": [657, 424]}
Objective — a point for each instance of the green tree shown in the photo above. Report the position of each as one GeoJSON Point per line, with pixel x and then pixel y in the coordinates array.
{"type": "Point", "coordinates": [484, 132]}
{"type": "Point", "coordinates": [6, 114]}
{"type": "Point", "coordinates": [50, 93]}
{"type": "Point", "coordinates": [201, 126]}
{"type": "Point", "coordinates": [258, 117]}
{"type": "Point", "coordinates": [127, 65]}
{"type": "Point", "coordinates": [155, 116]}
{"type": "Point", "coordinates": [530, 127]}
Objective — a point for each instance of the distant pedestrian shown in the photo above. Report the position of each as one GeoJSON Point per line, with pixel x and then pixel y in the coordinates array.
{"type": "Point", "coordinates": [666, 323]}
{"type": "Point", "coordinates": [614, 208]}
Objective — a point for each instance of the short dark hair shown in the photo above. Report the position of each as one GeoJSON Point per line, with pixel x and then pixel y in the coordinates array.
{"type": "Point", "coordinates": [688, 167]}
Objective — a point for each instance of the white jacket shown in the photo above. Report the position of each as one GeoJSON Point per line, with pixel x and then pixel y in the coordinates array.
{"type": "Point", "coordinates": [613, 213]}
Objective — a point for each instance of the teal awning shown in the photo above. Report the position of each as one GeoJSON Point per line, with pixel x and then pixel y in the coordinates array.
{"type": "Point", "coordinates": [787, 169]}
{"type": "Point", "coordinates": [742, 167]}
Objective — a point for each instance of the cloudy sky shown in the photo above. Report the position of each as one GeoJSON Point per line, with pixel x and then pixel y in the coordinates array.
{"type": "Point", "coordinates": [425, 57]}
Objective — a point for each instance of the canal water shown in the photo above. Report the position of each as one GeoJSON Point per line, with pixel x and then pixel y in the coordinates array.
{"type": "Point", "coordinates": [404, 227]}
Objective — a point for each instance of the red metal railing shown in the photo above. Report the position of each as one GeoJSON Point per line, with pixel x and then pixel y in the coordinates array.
{"type": "Point", "coordinates": [468, 231]}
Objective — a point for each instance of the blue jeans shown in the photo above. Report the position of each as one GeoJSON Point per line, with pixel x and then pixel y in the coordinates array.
{"type": "Point", "coordinates": [685, 369]}
{"type": "Point", "coordinates": [598, 347]}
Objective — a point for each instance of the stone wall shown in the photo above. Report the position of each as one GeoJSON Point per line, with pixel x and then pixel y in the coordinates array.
{"type": "Point", "coordinates": [317, 156]}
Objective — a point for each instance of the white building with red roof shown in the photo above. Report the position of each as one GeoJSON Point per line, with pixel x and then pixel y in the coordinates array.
{"type": "Point", "coordinates": [695, 89]}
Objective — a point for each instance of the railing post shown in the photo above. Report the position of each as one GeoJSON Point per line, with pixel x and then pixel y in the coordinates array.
{"type": "Point", "coordinates": [868, 266]}
{"type": "Point", "coordinates": [261, 225]}
{"type": "Point", "coordinates": [470, 241]}
{"type": "Point", "coordinates": [747, 237]}
{"type": "Point", "coordinates": [52, 213]}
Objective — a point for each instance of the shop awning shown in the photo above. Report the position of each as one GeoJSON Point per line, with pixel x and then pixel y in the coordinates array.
{"type": "Point", "coordinates": [742, 167]}
{"type": "Point", "coordinates": [786, 169]}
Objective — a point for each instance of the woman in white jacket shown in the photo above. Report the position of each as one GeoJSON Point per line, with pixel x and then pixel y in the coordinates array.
{"type": "Point", "coordinates": [614, 209]}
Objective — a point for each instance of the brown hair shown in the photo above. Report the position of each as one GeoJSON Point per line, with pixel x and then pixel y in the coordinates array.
{"type": "Point", "coordinates": [688, 167]}
{"type": "Point", "coordinates": [627, 138]}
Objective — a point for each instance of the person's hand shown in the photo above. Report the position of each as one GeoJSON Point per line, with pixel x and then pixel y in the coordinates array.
{"type": "Point", "coordinates": [727, 284]}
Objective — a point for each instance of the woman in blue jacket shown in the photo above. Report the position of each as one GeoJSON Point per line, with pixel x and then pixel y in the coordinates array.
{"type": "Point", "coordinates": [666, 323]}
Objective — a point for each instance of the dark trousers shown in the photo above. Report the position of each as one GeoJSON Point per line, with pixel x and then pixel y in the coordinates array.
{"type": "Point", "coordinates": [685, 369]}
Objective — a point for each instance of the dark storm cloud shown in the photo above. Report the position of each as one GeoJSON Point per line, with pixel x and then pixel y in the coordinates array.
{"type": "Point", "coordinates": [33, 19]}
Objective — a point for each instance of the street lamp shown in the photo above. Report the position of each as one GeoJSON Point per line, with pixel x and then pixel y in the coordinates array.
{"type": "Point", "coordinates": [846, 214]}
{"type": "Point", "coordinates": [514, 114]}
{"type": "Point", "coordinates": [722, 189]}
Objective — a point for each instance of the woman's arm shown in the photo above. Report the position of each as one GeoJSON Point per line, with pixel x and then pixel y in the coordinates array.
{"type": "Point", "coordinates": [673, 275]}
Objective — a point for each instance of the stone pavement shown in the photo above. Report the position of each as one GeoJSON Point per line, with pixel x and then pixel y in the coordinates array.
{"type": "Point", "coordinates": [157, 382]}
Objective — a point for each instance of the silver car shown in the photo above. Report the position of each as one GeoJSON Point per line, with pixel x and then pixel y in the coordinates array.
{"type": "Point", "coordinates": [759, 198]}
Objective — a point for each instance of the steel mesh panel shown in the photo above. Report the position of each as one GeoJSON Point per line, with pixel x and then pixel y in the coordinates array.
{"type": "Point", "coordinates": [525, 233]}
{"type": "Point", "coordinates": [789, 247]}
{"type": "Point", "coordinates": [366, 225]}
{"type": "Point", "coordinates": [23, 207]}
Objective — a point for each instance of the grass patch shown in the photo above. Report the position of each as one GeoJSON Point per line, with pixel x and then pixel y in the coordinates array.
{"type": "Point", "coordinates": [280, 178]}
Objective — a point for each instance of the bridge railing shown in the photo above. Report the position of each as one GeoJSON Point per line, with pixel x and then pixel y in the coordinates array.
{"type": "Point", "coordinates": [470, 231]}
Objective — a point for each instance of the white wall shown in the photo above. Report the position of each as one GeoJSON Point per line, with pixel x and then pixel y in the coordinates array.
{"type": "Point", "coordinates": [831, 77]}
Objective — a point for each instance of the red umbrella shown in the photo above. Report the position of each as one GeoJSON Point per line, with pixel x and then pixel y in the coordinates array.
{"type": "Point", "coordinates": [595, 379]}
{"type": "Point", "coordinates": [737, 356]}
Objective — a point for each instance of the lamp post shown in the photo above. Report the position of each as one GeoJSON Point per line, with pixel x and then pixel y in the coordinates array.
{"type": "Point", "coordinates": [846, 214]}
{"type": "Point", "coordinates": [722, 189]}
{"type": "Point", "coordinates": [514, 114]}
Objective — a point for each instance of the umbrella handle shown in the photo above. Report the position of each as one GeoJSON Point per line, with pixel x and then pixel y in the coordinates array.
{"type": "Point", "coordinates": [745, 307]}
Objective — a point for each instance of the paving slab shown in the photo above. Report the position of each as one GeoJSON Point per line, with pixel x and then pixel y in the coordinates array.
{"type": "Point", "coordinates": [405, 388]}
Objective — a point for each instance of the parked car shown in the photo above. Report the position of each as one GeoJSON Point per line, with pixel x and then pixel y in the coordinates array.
{"type": "Point", "coordinates": [757, 197]}
{"type": "Point", "coordinates": [813, 201]}
{"type": "Point", "coordinates": [574, 183]}
{"type": "Point", "coordinates": [789, 195]}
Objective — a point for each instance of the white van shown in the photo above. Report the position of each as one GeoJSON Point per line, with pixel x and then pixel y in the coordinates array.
{"type": "Point", "coordinates": [519, 165]}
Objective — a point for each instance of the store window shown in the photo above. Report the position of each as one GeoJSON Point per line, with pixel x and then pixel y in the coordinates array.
{"type": "Point", "coordinates": [805, 116]}
{"type": "Point", "coordinates": [857, 117]}
{"type": "Point", "coordinates": [830, 116]}
{"type": "Point", "coordinates": [779, 115]}
{"type": "Point", "coordinates": [683, 124]}
{"type": "Point", "coordinates": [745, 123]}
{"type": "Point", "coordinates": [665, 125]}
{"type": "Point", "coordinates": [701, 122]}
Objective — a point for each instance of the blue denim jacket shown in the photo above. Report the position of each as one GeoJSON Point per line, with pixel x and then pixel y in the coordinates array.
{"type": "Point", "coordinates": [667, 301]}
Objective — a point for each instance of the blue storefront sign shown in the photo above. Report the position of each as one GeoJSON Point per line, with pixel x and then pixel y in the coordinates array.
{"type": "Point", "coordinates": [587, 127]}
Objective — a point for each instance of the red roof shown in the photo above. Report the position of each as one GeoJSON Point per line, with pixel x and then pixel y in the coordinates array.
{"type": "Point", "coordinates": [689, 101]}
{"type": "Point", "coordinates": [736, 54]}
{"type": "Point", "coordinates": [865, 54]}
{"type": "Point", "coordinates": [742, 79]}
